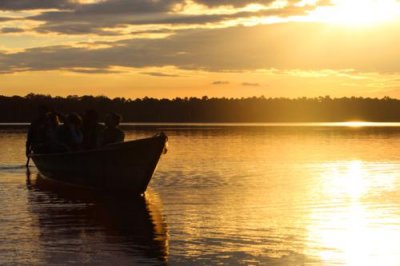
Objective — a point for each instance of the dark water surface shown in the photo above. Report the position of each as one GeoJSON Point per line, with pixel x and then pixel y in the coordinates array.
{"type": "Point", "coordinates": [262, 195]}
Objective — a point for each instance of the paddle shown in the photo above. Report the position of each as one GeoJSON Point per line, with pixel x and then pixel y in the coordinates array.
{"type": "Point", "coordinates": [28, 157]}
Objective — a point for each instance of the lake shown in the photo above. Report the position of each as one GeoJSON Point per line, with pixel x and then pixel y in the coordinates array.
{"type": "Point", "coordinates": [304, 194]}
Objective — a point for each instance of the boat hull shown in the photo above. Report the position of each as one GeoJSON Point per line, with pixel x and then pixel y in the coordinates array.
{"type": "Point", "coordinates": [126, 166]}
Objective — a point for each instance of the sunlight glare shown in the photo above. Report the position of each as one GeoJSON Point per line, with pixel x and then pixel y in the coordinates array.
{"type": "Point", "coordinates": [356, 124]}
{"type": "Point", "coordinates": [348, 181]}
{"type": "Point", "coordinates": [353, 231]}
{"type": "Point", "coordinates": [358, 12]}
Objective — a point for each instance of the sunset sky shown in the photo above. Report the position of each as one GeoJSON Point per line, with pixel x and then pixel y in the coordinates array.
{"type": "Point", "coordinates": [218, 48]}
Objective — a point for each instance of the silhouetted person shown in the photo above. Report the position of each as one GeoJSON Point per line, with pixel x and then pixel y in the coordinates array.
{"type": "Point", "coordinates": [112, 133]}
{"type": "Point", "coordinates": [37, 130]}
{"type": "Point", "coordinates": [51, 142]}
{"type": "Point", "coordinates": [70, 133]}
{"type": "Point", "coordinates": [92, 130]}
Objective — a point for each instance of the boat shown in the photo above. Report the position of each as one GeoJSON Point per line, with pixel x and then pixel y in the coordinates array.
{"type": "Point", "coordinates": [125, 166]}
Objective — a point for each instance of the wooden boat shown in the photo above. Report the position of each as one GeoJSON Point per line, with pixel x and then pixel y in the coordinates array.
{"type": "Point", "coordinates": [126, 166]}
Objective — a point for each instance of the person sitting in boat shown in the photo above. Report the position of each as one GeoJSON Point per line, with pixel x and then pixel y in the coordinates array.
{"type": "Point", "coordinates": [112, 133]}
{"type": "Point", "coordinates": [37, 130]}
{"type": "Point", "coordinates": [70, 133]}
{"type": "Point", "coordinates": [92, 130]}
{"type": "Point", "coordinates": [51, 142]}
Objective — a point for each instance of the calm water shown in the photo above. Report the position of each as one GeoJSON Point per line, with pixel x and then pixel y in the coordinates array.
{"type": "Point", "coordinates": [314, 195]}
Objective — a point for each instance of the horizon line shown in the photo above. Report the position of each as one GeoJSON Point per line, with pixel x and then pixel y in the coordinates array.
{"type": "Point", "coordinates": [204, 97]}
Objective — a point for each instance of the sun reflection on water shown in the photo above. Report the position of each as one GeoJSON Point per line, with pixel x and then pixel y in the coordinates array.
{"type": "Point", "coordinates": [347, 180]}
{"type": "Point", "coordinates": [353, 231]}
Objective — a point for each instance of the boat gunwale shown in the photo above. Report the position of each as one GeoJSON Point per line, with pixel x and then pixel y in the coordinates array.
{"type": "Point", "coordinates": [112, 147]}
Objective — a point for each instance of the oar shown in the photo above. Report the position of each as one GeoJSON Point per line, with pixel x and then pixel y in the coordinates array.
{"type": "Point", "coordinates": [28, 159]}
{"type": "Point", "coordinates": [28, 152]}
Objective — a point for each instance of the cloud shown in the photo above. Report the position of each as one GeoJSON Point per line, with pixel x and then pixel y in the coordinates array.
{"type": "Point", "coordinates": [125, 6]}
{"type": "Point", "coordinates": [250, 84]}
{"type": "Point", "coordinates": [157, 31]}
{"type": "Point", "coordinates": [242, 3]}
{"type": "Point", "coordinates": [306, 46]}
{"type": "Point", "coordinates": [68, 23]}
{"type": "Point", "coordinates": [92, 18]}
{"type": "Point", "coordinates": [103, 7]}
{"type": "Point", "coordinates": [11, 30]}
{"type": "Point", "coordinates": [6, 19]}
{"type": "Point", "coordinates": [73, 17]}
{"type": "Point", "coordinates": [220, 82]}
{"type": "Point", "coordinates": [159, 74]}
{"type": "Point", "coordinates": [91, 70]}
{"type": "Point", "coordinates": [235, 3]}
{"type": "Point", "coordinates": [74, 28]}
{"type": "Point", "coordinates": [16, 5]}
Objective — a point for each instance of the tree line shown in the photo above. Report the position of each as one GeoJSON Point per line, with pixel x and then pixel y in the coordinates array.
{"type": "Point", "coordinates": [253, 109]}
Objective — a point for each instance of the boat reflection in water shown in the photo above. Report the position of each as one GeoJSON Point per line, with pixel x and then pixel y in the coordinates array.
{"type": "Point", "coordinates": [82, 226]}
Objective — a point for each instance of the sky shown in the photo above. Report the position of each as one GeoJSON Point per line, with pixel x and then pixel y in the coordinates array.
{"type": "Point", "coordinates": [186, 48]}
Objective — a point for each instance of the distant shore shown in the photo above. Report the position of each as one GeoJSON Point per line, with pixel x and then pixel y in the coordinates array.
{"type": "Point", "coordinates": [18, 109]}
{"type": "Point", "coordinates": [294, 124]}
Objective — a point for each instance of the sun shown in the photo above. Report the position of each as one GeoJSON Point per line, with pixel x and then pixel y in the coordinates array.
{"type": "Point", "coordinates": [358, 12]}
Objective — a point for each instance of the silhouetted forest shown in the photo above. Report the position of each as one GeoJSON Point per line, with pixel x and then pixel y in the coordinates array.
{"type": "Point", "coordinates": [253, 109]}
